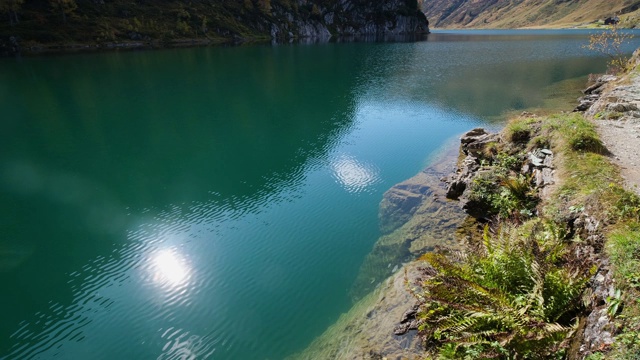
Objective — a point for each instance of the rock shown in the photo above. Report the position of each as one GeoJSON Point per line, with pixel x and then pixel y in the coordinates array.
{"type": "Point", "coordinates": [456, 189]}
{"type": "Point", "coordinates": [548, 161]}
{"type": "Point", "coordinates": [410, 229]}
{"type": "Point", "coordinates": [476, 140]}
{"type": "Point", "coordinates": [597, 86]}
{"type": "Point", "coordinates": [397, 206]}
{"type": "Point", "coordinates": [547, 177]}
{"type": "Point", "coordinates": [408, 321]}
{"type": "Point", "coordinates": [599, 329]}
{"type": "Point", "coordinates": [622, 107]}
{"type": "Point", "coordinates": [536, 161]}
{"type": "Point", "coordinates": [592, 88]}
{"type": "Point", "coordinates": [472, 135]}
{"type": "Point", "coordinates": [459, 181]}
{"type": "Point", "coordinates": [586, 102]}
{"type": "Point", "coordinates": [369, 329]}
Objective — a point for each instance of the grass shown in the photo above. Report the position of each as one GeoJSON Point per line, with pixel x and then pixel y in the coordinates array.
{"type": "Point", "coordinates": [518, 131]}
{"type": "Point", "coordinates": [473, 300]}
{"type": "Point", "coordinates": [530, 13]}
{"type": "Point", "coordinates": [623, 248]}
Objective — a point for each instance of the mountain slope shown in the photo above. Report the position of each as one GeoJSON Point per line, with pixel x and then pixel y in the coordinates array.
{"type": "Point", "coordinates": [161, 22]}
{"type": "Point", "coordinates": [521, 13]}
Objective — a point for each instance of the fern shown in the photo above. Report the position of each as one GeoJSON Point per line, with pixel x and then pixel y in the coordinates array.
{"type": "Point", "coordinates": [511, 297]}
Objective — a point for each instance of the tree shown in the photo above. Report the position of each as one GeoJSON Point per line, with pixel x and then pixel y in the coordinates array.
{"type": "Point", "coordinates": [610, 43]}
{"type": "Point", "coordinates": [64, 6]}
{"type": "Point", "coordinates": [11, 7]}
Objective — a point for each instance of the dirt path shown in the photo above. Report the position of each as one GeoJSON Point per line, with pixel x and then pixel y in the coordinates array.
{"type": "Point", "coordinates": [617, 116]}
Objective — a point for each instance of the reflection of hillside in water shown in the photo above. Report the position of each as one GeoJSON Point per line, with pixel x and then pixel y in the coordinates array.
{"type": "Point", "coordinates": [483, 74]}
{"type": "Point", "coordinates": [516, 86]}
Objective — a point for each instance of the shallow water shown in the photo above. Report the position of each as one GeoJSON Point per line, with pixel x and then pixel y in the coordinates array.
{"type": "Point", "coordinates": [218, 202]}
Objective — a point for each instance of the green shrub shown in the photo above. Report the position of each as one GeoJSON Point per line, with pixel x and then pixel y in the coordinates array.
{"type": "Point", "coordinates": [499, 193]}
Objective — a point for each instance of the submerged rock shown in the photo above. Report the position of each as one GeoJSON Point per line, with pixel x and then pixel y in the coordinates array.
{"type": "Point", "coordinates": [414, 216]}
{"type": "Point", "coordinates": [374, 327]}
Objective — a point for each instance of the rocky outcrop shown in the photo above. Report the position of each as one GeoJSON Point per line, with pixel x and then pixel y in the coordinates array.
{"type": "Point", "coordinates": [592, 93]}
{"type": "Point", "coordinates": [476, 148]}
{"type": "Point", "coordinates": [472, 145]}
{"type": "Point", "coordinates": [350, 18]}
{"type": "Point", "coordinates": [122, 24]}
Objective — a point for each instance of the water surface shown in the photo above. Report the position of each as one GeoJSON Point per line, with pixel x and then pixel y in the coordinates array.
{"type": "Point", "coordinates": [218, 202]}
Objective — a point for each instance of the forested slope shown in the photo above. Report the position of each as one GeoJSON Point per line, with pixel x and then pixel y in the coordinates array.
{"type": "Point", "coordinates": [173, 21]}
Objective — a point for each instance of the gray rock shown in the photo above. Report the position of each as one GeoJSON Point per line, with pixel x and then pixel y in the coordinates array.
{"type": "Point", "coordinates": [599, 329]}
{"type": "Point", "coordinates": [459, 181]}
{"type": "Point", "coordinates": [475, 141]}
{"type": "Point", "coordinates": [547, 176]}
{"type": "Point", "coordinates": [473, 135]}
{"type": "Point", "coordinates": [548, 161]}
{"type": "Point", "coordinates": [622, 107]}
{"type": "Point", "coordinates": [536, 161]}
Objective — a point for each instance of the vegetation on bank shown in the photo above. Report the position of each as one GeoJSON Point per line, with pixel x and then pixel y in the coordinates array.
{"type": "Point", "coordinates": [90, 22]}
{"type": "Point", "coordinates": [519, 288]}
{"type": "Point", "coordinates": [528, 13]}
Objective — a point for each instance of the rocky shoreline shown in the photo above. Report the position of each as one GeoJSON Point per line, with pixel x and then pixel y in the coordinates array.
{"type": "Point", "coordinates": [433, 209]}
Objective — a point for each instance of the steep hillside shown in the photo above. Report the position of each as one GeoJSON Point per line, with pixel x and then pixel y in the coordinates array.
{"type": "Point", "coordinates": [161, 22]}
{"type": "Point", "coordinates": [522, 13]}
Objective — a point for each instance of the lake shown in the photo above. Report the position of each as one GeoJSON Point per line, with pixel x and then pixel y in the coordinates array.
{"type": "Point", "coordinates": [218, 202]}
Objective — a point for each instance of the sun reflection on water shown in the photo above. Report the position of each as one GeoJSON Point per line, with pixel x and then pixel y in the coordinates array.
{"type": "Point", "coordinates": [169, 268]}
{"type": "Point", "coordinates": [353, 175]}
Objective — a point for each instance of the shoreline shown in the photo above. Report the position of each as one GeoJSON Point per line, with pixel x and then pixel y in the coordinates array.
{"type": "Point", "coordinates": [9, 48]}
{"type": "Point", "coordinates": [366, 337]}
{"type": "Point", "coordinates": [37, 49]}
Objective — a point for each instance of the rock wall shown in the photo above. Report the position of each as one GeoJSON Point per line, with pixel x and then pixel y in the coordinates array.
{"type": "Point", "coordinates": [122, 24]}
{"type": "Point", "coordinates": [352, 18]}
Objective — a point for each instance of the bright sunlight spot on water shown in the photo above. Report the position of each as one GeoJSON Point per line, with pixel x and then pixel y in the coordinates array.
{"type": "Point", "coordinates": [354, 175]}
{"type": "Point", "coordinates": [169, 268]}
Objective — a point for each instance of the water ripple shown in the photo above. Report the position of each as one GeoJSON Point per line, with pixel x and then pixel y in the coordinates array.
{"type": "Point", "coordinates": [353, 175]}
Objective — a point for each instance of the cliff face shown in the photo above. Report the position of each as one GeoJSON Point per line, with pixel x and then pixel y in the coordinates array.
{"type": "Point", "coordinates": [352, 18]}
{"type": "Point", "coordinates": [94, 22]}
{"type": "Point", "coordinates": [522, 13]}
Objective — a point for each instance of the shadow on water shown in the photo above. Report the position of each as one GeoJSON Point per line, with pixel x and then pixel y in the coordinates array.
{"type": "Point", "coordinates": [92, 143]}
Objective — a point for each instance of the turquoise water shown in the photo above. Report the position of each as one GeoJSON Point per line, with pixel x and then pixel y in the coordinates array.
{"type": "Point", "coordinates": [218, 202]}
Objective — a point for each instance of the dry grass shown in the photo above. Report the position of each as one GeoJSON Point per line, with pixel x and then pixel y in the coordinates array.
{"type": "Point", "coordinates": [532, 14]}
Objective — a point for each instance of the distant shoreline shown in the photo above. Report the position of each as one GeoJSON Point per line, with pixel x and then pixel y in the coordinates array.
{"type": "Point", "coordinates": [37, 49]}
